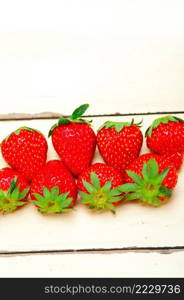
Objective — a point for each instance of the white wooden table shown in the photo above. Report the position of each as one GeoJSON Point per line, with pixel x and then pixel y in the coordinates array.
{"type": "Point", "coordinates": [138, 241]}
{"type": "Point", "coordinates": [125, 65]}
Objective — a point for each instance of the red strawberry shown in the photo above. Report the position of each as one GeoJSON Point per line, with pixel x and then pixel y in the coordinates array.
{"type": "Point", "coordinates": [53, 189]}
{"type": "Point", "coordinates": [74, 141]}
{"type": "Point", "coordinates": [150, 178]}
{"type": "Point", "coordinates": [14, 190]}
{"type": "Point", "coordinates": [176, 159]}
{"type": "Point", "coordinates": [98, 187]}
{"type": "Point", "coordinates": [166, 135]}
{"type": "Point", "coordinates": [25, 150]}
{"type": "Point", "coordinates": [119, 143]}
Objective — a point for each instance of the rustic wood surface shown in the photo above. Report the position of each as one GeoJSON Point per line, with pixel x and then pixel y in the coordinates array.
{"type": "Point", "coordinates": [150, 237]}
{"type": "Point", "coordinates": [125, 60]}
{"type": "Point", "coordinates": [89, 264]}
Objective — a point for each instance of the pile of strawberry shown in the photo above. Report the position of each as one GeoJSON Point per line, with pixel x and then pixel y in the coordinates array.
{"type": "Point", "coordinates": [124, 176]}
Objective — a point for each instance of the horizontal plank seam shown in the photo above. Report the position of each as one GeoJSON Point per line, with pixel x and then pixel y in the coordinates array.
{"type": "Point", "coordinates": [52, 116]}
{"type": "Point", "coordinates": [70, 251]}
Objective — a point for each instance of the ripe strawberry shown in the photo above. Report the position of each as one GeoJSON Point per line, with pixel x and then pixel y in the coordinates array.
{"type": "Point", "coordinates": [74, 141]}
{"type": "Point", "coordinates": [14, 190]}
{"type": "Point", "coordinates": [166, 135]}
{"type": "Point", "coordinates": [25, 150]}
{"type": "Point", "coordinates": [98, 187]}
{"type": "Point", "coordinates": [176, 159]}
{"type": "Point", "coordinates": [150, 178]}
{"type": "Point", "coordinates": [53, 189]}
{"type": "Point", "coordinates": [119, 143]}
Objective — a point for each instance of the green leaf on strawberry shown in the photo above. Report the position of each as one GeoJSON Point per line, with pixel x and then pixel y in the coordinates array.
{"type": "Point", "coordinates": [17, 131]}
{"type": "Point", "coordinates": [78, 112]}
{"type": "Point", "coordinates": [74, 118]}
{"type": "Point", "coordinates": [52, 201]}
{"type": "Point", "coordinates": [147, 188]}
{"type": "Point", "coordinates": [119, 125]}
{"type": "Point", "coordinates": [162, 120]}
{"type": "Point", "coordinates": [100, 197]}
{"type": "Point", "coordinates": [63, 121]}
{"type": "Point", "coordinates": [13, 198]}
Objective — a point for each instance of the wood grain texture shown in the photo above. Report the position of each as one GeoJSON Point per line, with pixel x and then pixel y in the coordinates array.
{"type": "Point", "coordinates": [134, 225]}
{"type": "Point", "coordinates": [131, 264]}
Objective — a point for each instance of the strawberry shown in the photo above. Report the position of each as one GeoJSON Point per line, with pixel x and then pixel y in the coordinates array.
{"type": "Point", "coordinates": [25, 150]}
{"type": "Point", "coordinates": [98, 187]}
{"type": "Point", "coordinates": [175, 159]}
{"type": "Point", "coordinates": [119, 143]}
{"type": "Point", "coordinates": [74, 141]}
{"type": "Point", "coordinates": [166, 135]}
{"type": "Point", "coordinates": [14, 190]}
{"type": "Point", "coordinates": [150, 178]}
{"type": "Point", "coordinates": [53, 189]}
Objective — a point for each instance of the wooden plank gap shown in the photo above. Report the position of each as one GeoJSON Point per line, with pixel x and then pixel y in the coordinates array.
{"type": "Point", "coordinates": [162, 250]}
{"type": "Point", "coordinates": [52, 115]}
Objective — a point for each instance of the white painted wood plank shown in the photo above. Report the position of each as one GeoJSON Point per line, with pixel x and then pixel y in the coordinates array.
{"type": "Point", "coordinates": [112, 54]}
{"type": "Point", "coordinates": [133, 226]}
{"type": "Point", "coordinates": [128, 264]}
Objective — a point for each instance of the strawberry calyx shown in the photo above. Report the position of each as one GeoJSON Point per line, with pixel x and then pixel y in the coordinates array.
{"type": "Point", "coordinates": [13, 198]}
{"type": "Point", "coordinates": [17, 131]}
{"type": "Point", "coordinates": [74, 118]}
{"type": "Point", "coordinates": [100, 197]}
{"type": "Point", "coordinates": [52, 201]}
{"type": "Point", "coordinates": [163, 120]}
{"type": "Point", "coordinates": [119, 125]}
{"type": "Point", "coordinates": [147, 188]}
